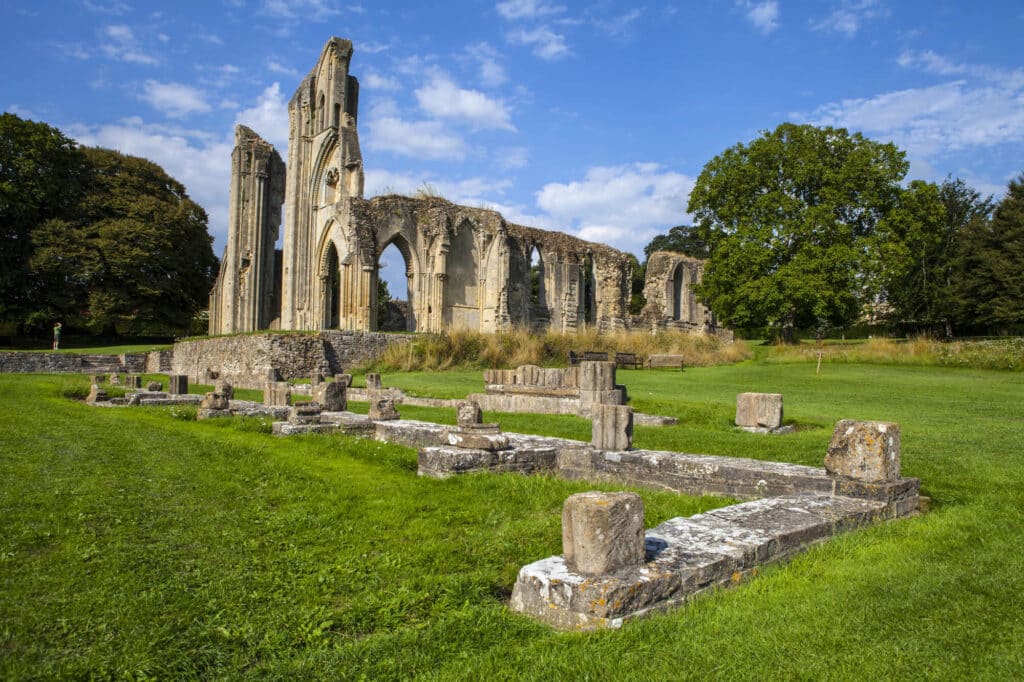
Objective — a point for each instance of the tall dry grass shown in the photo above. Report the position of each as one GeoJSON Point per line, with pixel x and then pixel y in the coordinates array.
{"type": "Point", "coordinates": [473, 350]}
{"type": "Point", "coordinates": [922, 350]}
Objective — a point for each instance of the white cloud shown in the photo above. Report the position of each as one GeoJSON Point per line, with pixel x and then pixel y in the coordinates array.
{"type": "Point", "coordinates": [492, 74]}
{"type": "Point", "coordinates": [73, 50]}
{"type": "Point", "coordinates": [219, 76]}
{"type": "Point", "coordinates": [512, 157]}
{"type": "Point", "coordinates": [200, 161]}
{"type": "Point", "coordinates": [527, 9]}
{"type": "Point", "coordinates": [546, 43]}
{"type": "Point", "coordinates": [372, 80]}
{"type": "Point", "coordinates": [268, 117]}
{"type": "Point", "coordinates": [620, 205]}
{"type": "Point", "coordinates": [122, 45]}
{"type": "Point", "coordinates": [620, 27]}
{"type": "Point", "coordinates": [442, 98]}
{"type": "Point", "coordinates": [848, 17]}
{"type": "Point", "coordinates": [934, 63]}
{"type": "Point", "coordinates": [274, 66]}
{"type": "Point", "coordinates": [763, 15]}
{"type": "Point", "coordinates": [418, 139]}
{"type": "Point", "coordinates": [174, 99]}
{"type": "Point", "coordinates": [315, 10]}
{"type": "Point", "coordinates": [115, 8]}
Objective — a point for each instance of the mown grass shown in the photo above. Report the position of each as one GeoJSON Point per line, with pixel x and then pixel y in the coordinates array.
{"type": "Point", "coordinates": [134, 544]}
{"type": "Point", "coordinates": [72, 349]}
{"type": "Point", "coordinates": [462, 349]}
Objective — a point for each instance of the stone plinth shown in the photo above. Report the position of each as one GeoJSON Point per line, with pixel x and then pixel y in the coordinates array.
{"type": "Point", "coordinates": [382, 407]}
{"type": "Point", "coordinates": [344, 379]}
{"type": "Point", "coordinates": [597, 383]}
{"type": "Point", "coordinates": [603, 533]}
{"type": "Point", "coordinates": [177, 384]}
{"type": "Point", "coordinates": [225, 389]}
{"type": "Point", "coordinates": [331, 396]}
{"type": "Point", "coordinates": [115, 379]}
{"type": "Point", "coordinates": [96, 395]}
{"type": "Point", "coordinates": [304, 413]}
{"type": "Point", "coordinates": [759, 410]}
{"type": "Point", "coordinates": [468, 413]}
{"type": "Point", "coordinates": [213, 405]}
{"type": "Point", "coordinates": [612, 427]}
{"type": "Point", "coordinates": [277, 394]}
{"type": "Point", "coordinates": [154, 386]}
{"type": "Point", "coordinates": [373, 381]}
{"type": "Point", "coordinates": [315, 379]}
{"type": "Point", "coordinates": [133, 381]}
{"type": "Point", "coordinates": [864, 451]}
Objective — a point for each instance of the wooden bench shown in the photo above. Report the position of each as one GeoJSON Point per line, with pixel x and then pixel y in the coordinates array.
{"type": "Point", "coordinates": [666, 360]}
{"type": "Point", "coordinates": [628, 360]}
{"type": "Point", "coordinates": [592, 355]}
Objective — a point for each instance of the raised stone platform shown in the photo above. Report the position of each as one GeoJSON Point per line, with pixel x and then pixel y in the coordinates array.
{"type": "Point", "coordinates": [686, 556]}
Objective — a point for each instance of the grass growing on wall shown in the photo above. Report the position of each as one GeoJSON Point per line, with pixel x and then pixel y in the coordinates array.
{"type": "Point", "coordinates": [137, 543]}
{"type": "Point", "coordinates": [467, 349]}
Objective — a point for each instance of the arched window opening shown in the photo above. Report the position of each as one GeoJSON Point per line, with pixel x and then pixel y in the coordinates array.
{"type": "Point", "coordinates": [677, 293]}
{"type": "Point", "coordinates": [320, 113]}
{"type": "Point", "coordinates": [589, 297]}
{"type": "Point", "coordinates": [394, 296]}
{"type": "Point", "coordinates": [332, 284]}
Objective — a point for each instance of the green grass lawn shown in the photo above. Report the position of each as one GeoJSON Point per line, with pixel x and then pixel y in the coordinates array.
{"type": "Point", "coordinates": [136, 544]}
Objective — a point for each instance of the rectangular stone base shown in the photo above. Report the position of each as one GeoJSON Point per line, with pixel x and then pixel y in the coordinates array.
{"type": "Point", "coordinates": [442, 462]}
{"type": "Point", "coordinates": [686, 556]}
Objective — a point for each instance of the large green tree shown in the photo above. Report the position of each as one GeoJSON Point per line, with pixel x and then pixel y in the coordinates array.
{"type": "Point", "coordinates": [990, 288]}
{"type": "Point", "coordinates": [686, 239]}
{"type": "Point", "coordinates": [135, 256]}
{"type": "Point", "coordinates": [788, 219]}
{"type": "Point", "coordinates": [920, 245]}
{"type": "Point", "coordinates": [42, 175]}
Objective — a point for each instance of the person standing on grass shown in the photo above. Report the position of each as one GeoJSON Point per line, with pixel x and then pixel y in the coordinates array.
{"type": "Point", "coordinates": [56, 336]}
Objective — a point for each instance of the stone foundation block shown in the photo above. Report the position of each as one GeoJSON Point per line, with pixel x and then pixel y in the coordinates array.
{"type": "Point", "coordinates": [612, 427]}
{"type": "Point", "coordinates": [343, 379]}
{"type": "Point", "coordinates": [603, 533]}
{"type": "Point", "coordinates": [382, 408]}
{"type": "Point", "coordinates": [864, 451]}
{"type": "Point", "coordinates": [208, 413]}
{"type": "Point", "coordinates": [596, 376]}
{"type": "Point", "coordinates": [277, 394]}
{"type": "Point", "coordinates": [115, 379]}
{"type": "Point", "coordinates": [373, 381]}
{"type": "Point", "coordinates": [225, 389]}
{"type": "Point", "coordinates": [155, 386]}
{"type": "Point", "coordinates": [133, 381]}
{"type": "Point", "coordinates": [332, 396]}
{"type": "Point", "coordinates": [759, 410]}
{"type": "Point", "coordinates": [214, 401]}
{"type": "Point", "coordinates": [96, 395]}
{"type": "Point", "coordinates": [304, 413]}
{"type": "Point", "coordinates": [177, 384]}
{"type": "Point", "coordinates": [98, 379]}
{"type": "Point", "coordinates": [470, 438]}
{"type": "Point", "coordinates": [468, 413]}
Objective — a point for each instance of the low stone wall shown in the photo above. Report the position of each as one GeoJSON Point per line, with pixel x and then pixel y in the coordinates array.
{"type": "Point", "coordinates": [155, 362]}
{"type": "Point", "coordinates": [246, 359]}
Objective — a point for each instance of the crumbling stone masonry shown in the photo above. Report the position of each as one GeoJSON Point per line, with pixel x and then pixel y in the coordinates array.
{"type": "Point", "coordinates": [670, 290]}
{"type": "Point", "coordinates": [466, 268]}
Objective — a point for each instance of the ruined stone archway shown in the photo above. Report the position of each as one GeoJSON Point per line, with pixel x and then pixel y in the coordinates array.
{"type": "Point", "coordinates": [331, 276]}
{"type": "Point", "coordinates": [407, 312]}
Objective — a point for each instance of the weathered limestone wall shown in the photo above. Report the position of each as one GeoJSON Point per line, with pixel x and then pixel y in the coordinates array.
{"type": "Point", "coordinates": [246, 360]}
{"type": "Point", "coordinates": [246, 295]}
{"type": "Point", "coordinates": [670, 289]}
{"type": "Point", "coordinates": [47, 363]}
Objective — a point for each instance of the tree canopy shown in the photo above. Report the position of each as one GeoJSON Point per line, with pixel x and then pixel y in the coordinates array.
{"type": "Point", "coordinates": [680, 239]}
{"type": "Point", "coordinates": [120, 249]}
{"type": "Point", "coordinates": [788, 219]}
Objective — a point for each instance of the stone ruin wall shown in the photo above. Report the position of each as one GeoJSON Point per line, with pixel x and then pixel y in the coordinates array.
{"type": "Point", "coordinates": [670, 291]}
{"type": "Point", "coordinates": [245, 360]}
{"type": "Point", "coordinates": [467, 268]}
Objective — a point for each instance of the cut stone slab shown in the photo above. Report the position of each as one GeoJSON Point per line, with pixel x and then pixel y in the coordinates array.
{"type": "Point", "coordinates": [290, 429]}
{"type": "Point", "coordinates": [759, 410]}
{"type": "Point", "coordinates": [215, 401]}
{"type": "Point", "coordinates": [468, 413]}
{"type": "Point", "coordinates": [304, 413]}
{"type": "Point", "coordinates": [442, 462]}
{"type": "Point", "coordinates": [684, 557]}
{"type": "Point", "coordinates": [382, 407]}
{"type": "Point", "coordinates": [864, 451]}
{"type": "Point", "coordinates": [603, 532]}
{"type": "Point", "coordinates": [277, 394]}
{"type": "Point", "coordinates": [373, 381]}
{"type": "Point", "coordinates": [133, 381]}
{"type": "Point", "coordinates": [96, 395]}
{"type": "Point", "coordinates": [225, 389]}
{"type": "Point", "coordinates": [348, 422]}
{"type": "Point", "coordinates": [154, 386]}
{"type": "Point", "coordinates": [471, 438]}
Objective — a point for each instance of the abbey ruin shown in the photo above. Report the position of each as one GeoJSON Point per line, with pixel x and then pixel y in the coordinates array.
{"type": "Point", "coordinates": [467, 268]}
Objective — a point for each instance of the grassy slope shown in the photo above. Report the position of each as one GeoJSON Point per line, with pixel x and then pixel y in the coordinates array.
{"type": "Point", "coordinates": [131, 542]}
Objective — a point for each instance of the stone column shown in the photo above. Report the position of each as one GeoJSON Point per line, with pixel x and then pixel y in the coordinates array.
{"type": "Point", "coordinates": [612, 427]}
{"type": "Point", "coordinates": [331, 396]}
{"type": "Point", "coordinates": [759, 410]}
{"type": "Point", "coordinates": [177, 384]}
{"type": "Point", "coordinates": [603, 532]}
{"type": "Point", "coordinates": [277, 394]}
{"type": "Point", "coordinates": [864, 451]}
{"type": "Point", "coordinates": [597, 384]}
{"type": "Point", "coordinates": [373, 381]}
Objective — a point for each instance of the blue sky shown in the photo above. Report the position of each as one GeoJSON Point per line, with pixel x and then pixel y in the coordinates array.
{"type": "Point", "coordinates": [592, 118]}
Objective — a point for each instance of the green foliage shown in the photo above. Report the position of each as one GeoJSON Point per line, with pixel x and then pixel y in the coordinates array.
{"type": "Point", "coordinates": [681, 239]}
{"type": "Point", "coordinates": [42, 176]}
{"type": "Point", "coordinates": [100, 240]}
{"type": "Point", "coordinates": [788, 219]}
{"type": "Point", "coordinates": [991, 289]}
{"type": "Point", "coordinates": [920, 245]}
